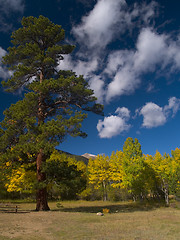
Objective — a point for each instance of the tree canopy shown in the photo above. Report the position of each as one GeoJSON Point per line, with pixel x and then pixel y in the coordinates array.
{"type": "Point", "coordinates": [55, 100]}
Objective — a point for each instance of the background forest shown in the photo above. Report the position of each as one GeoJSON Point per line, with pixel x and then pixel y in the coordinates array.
{"type": "Point", "coordinates": [126, 174]}
{"type": "Point", "coordinates": [53, 107]}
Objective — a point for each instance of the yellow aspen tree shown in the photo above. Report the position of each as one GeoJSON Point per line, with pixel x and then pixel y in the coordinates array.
{"type": "Point", "coordinates": [21, 180]}
{"type": "Point", "coordinates": [116, 169]}
{"type": "Point", "coordinates": [176, 172]}
{"type": "Point", "coordinates": [134, 168]}
{"type": "Point", "coordinates": [166, 168]}
{"type": "Point", "coordinates": [99, 173]}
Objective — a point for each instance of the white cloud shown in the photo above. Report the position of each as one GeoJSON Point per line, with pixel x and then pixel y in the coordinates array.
{"type": "Point", "coordinates": [97, 28]}
{"type": "Point", "coordinates": [117, 73]}
{"type": "Point", "coordinates": [81, 67]}
{"type": "Point", "coordinates": [124, 82]}
{"type": "Point", "coordinates": [123, 112]}
{"type": "Point", "coordinates": [154, 115]}
{"type": "Point", "coordinates": [4, 73]}
{"type": "Point", "coordinates": [151, 50]}
{"type": "Point", "coordinates": [97, 84]}
{"type": "Point", "coordinates": [154, 53]}
{"type": "Point", "coordinates": [2, 53]}
{"type": "Point", "coordinates": [6, 8]}
{"type": "Point", "coordinates": [173, 107]}
{"type": "Point", "coordinates": [115, 124]}
{"type": "Point", "coordinates": [110, 19]}
{"type": "Point", "coordinates": [105, 23]}
{"type": "Point", "coordinates": [12, 5]}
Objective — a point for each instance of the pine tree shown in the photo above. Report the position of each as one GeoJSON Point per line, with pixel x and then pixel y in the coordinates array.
{"type": "Point", "coordinates": [55, 100]}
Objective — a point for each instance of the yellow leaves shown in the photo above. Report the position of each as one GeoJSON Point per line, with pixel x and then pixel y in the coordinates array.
{"type": "Point", "coordinates": [8, 164]}
{"type": "Point", "coordinates": [98, 170]}
{"type": "Point", "coordinates": [20, 180]}
{"type": "Point", "coordinates": [116, 169]}
{"type": "Point", "coordinates": [165, 167]}
{"type": "Point", "coordinates": [11, 122]}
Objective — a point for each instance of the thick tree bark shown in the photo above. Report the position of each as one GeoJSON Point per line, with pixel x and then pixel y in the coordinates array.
{"type": "Point", "coordinates": [41, 195]}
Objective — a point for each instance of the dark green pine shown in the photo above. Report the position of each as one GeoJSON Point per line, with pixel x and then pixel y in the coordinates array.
{"type": "Point", "coordinates": [55, 100]}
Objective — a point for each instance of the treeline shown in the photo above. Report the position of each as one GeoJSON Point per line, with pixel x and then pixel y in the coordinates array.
{"type": "Point", "coordinates": [130, 171]}
{"type": "Point", "coordinates": [127, 174]}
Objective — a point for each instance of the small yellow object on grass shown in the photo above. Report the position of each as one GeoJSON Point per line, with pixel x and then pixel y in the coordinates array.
{"type": "Point", "coordinates": [105, 210]}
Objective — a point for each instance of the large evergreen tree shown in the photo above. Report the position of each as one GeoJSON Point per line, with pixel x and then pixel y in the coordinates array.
{"type": "Point", "coordinates": [54, 103]}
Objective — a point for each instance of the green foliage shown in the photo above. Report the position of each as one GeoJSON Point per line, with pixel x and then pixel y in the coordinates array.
{"type": "Point", "coordinates": [66, 175]}
{"type": "Point", "coordinates": [166, 172]}
{"type": "Point", "coordinates": [50, 109]}
{"type": "Point", "coordinates": [132, 148]}
{"type": "Point", "coordinates": [55, 100]}
{"type": "Point", "coordinates": [118, 194]}
{"type": "Point", "coordinates": [142, 176]}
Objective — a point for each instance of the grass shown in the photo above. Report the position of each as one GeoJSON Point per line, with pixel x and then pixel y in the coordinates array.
{"type": "Point", "coordinates": [78, 220]}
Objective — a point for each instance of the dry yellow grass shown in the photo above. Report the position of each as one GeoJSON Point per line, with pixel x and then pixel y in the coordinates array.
{"type": "Point", "coordinates": [78, 220]}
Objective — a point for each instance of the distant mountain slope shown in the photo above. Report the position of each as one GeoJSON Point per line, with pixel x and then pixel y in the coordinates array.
{"type": "Point", "coordinates": [85, 157]}
{"type": "Point", "coordinates": [88, 156]}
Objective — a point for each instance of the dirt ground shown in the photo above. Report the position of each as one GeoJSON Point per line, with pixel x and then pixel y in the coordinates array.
{"type": "Point", "coordinates": [80, 221]}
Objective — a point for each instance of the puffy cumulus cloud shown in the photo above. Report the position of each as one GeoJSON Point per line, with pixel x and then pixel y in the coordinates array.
{"type": "Point", "coordinates": [117, 73]}
{"type": "Point", "coordinates": [124, 82]}
{"type": "Point", "coordinates": [123, 112]}
{"type": "Point", "coordinates": [153, 52]}
{"type": "Point", "coordinates": [115, 124]}
{"type": "Point", "coordinates": [97, 28]}
{"type": "Point", "coordinates": [154, 115]}
{"type": "Point", "coordinates": [110, 19]}
{"type": "Point", "coordinates": [106, 22]}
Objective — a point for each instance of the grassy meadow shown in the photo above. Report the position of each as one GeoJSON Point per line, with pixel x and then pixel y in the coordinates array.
{"type": "Point", "coordinates": [78, 220]}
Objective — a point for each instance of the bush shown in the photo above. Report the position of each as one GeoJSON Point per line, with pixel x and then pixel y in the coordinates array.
{"type": "Point", "coordinates": [116, 194]}
{"type": "Point", "coordinates": [90, 194]}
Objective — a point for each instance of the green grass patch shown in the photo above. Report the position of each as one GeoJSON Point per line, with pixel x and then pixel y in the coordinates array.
{"type": "Point", "coordinates": [78, 220]}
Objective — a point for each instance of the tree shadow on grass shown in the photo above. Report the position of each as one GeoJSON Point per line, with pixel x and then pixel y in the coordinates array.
{"type": "Point", "coordinates": [18, 212]}
{"type": "Point", "coordinates": [113, 208]}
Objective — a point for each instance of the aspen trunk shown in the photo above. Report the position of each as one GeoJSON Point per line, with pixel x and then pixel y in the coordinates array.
{"type": "Point", "coordinates": [104, 191]}
{"type": "Point", "coordinates": [166, 196]}
{"type": "Point", "coordinates": [166, 193]}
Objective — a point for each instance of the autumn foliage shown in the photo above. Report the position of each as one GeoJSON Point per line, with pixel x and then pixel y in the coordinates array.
{"type": "Point", "coordinates": [142, 176]}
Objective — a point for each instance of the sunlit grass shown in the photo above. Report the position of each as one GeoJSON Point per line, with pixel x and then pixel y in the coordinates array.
{"type": "Point", "coordinates": [78, 220]}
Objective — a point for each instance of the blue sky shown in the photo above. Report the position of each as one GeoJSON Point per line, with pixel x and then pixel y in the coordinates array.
{"type": "Point", "coordinates": [129, 52]}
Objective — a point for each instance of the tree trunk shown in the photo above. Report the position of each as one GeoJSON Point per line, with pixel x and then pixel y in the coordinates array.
{"type": "Point", "coordinates": [104, 191]}
{"type": "Point", "coordinates": [166, 192]}
{"type": "Point", "coordinates": [166, 196]}
{"type": "Point", "coordinates": [41, 195]}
